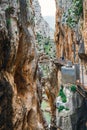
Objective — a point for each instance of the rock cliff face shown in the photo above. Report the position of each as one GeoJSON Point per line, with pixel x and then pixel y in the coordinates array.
{"type": "Point", "coordinates": [68, 28]}
{"type": "Point", "coordinates": [84, 33]}
{"type": "Point", "coordinates": [44, 33]}
{"type": "Point", "coordinates": [71, 44]}
{"type": "Point", "coordinates": [41, 26]}
{"type": "Point", "coordinates": [20, 76]}
{"type": "Point", "coordinates": [46, 48]}
{"type": "Point", "coordinates": [70, 35]}
{"type": "Point", "coordinates": [19, 101]}
{"type": "Point", "coordinates": [85, 20]}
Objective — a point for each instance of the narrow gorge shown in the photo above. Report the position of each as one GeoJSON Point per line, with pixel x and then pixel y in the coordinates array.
{"type": "Point", "coordinates": [43, 70]}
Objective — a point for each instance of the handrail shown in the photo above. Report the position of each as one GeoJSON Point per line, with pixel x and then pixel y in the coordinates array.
{"type": "Point", "coordinates": [79, 91]}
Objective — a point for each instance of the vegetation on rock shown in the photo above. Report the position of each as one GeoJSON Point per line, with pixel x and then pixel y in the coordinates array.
{"type": "Point", "coordinates": [44, 43]}
{"type": "Point", "coordinates": [74, 13]}
{"type": "Point", "coordinates": [62, 95]}
{"type": "Point", "coordinates": [73, 88]}
{"type": "Point", "coordinates": [61, 108]}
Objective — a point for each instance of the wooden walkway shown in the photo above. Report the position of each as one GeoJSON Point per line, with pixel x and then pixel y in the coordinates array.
{"type": "Point", "coordinates": [82, 90]}
{"type": "Point", "coordinates": [59, 62]}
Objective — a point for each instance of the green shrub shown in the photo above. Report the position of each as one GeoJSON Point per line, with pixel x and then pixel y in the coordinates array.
{"type": "Point", "coordinates": [62, 95]}
{"type": "Point", "coordinates": [60, 108]}
{"type": "Point", "coordinates": [73, 88]}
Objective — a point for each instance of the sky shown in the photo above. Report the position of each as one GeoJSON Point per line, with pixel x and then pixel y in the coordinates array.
{"type": "Point", "coordinates": [47, 7]}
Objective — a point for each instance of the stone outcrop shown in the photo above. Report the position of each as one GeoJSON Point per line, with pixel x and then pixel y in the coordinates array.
{"type": "Point", "coordinates": [46, 47]}
{"type": "Point", "coordinates": [44, 33]}
{"type": "Point", "coordinates": [70, 35]}
{"type": "Point", "coordinates": [84, 31]}
{"type": "Point", "coordinates": [85, 24]}
{"type": "Point", "coordinates": [67, 35]}
{"type": "Point", "coordinates": [41, 26]}
{"type": "Point", "coordinates": [19, 101]}
{"type": "Point", "coordinates": [51, 89]}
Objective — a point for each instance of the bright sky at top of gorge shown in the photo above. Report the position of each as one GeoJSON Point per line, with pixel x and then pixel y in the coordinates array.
{"type": "Point", "coordinates": [47, 7]}
{"type": "Point", "coordinates": [48, 10]}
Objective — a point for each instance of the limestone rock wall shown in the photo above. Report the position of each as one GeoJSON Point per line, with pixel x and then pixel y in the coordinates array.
{"type": "Point", "coordinates": [19, 101]}
{"type": "Point", "coordinates": [41, 26]}
{"type": "Point", "coordinates": [46, 48]}
{"type": "Point", "coordinates": [85, 25]}
{"type": "Point", "coordinates": [44, 33]}
{"type": "Point", "coordinates": [71, 43]}
{"type": "Point", "coordinates": [71, 40]}
{"type": "Point", "coordinates": [66, 38]}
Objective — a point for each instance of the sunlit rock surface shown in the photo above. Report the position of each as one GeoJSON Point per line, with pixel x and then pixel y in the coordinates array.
{"type": "Point", "coordinates": [20, 76]}
{"type": "Point", "coordinates": [68, 33]}
{"type": "Point", "coordinates": [85, 28]}
{"type": "Point", "coordinates": [41, 26]}
{"type": "Point", "coordinates": [19, 100]}
{"type": "Point", "coordinates": [44, 33]}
